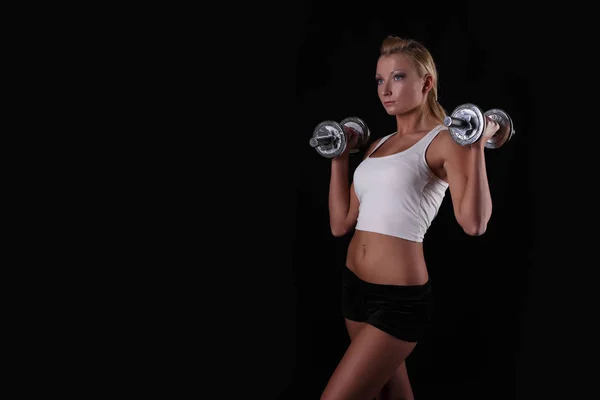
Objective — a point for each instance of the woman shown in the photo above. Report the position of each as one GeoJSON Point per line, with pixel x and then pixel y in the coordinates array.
{"type": "Point", "coordinates": [396, 192]}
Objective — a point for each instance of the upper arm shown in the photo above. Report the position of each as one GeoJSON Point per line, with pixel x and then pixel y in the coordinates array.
{"type": "Point", "coordinates": [454, 157]}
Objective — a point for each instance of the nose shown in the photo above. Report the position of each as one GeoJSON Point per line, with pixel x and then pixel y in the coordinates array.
{"type": "Point", "coordinates": [385, 91]}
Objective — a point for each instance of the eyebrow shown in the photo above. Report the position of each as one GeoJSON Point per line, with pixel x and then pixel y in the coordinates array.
{"type": "Point", "coordinates": [396, 70]}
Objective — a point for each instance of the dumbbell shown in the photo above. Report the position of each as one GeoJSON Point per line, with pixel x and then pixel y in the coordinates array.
{"type": "Point", "coordinates": [330, 140]}
{"type": "Point", "coordinates": [467, 123]}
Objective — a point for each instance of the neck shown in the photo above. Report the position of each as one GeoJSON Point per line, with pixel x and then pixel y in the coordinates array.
{"type": "Point", "coordinates": [415, 120]}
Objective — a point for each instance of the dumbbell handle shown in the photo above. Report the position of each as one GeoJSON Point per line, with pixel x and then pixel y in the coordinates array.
{"type": "Point", "coordinates": [457, 122]}
{"type": "Point", "coordinates": [320, 140]}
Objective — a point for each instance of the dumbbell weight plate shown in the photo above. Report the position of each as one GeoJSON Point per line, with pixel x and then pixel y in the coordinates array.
{"type": "Point", "coordinates": [329, 139]}
{"type": "Point", "coordinates": [469, 135]}
{"type": "Point", "coordinates": [364, 135]}
{"type": "Point", "coordinates": [504, 133]}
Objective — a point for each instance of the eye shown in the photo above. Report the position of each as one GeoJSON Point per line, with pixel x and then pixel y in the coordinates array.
{"type": "Point", "coordinates": [378, 81]}
{"type": "Point", "coordinates": [398, 77]}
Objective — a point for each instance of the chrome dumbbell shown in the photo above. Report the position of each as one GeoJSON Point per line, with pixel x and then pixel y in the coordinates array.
{"type": "Point", "coordinates": [467, 123]}
{"type": "Point", "coordinates": [330, 138]}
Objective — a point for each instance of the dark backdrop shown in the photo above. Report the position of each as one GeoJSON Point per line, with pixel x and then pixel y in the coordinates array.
{"type": "Point", "coordinates": [480, 282]}
{"type": "Point", "coordinates": [513, 307]}
{"type": "Point", "coordinates": [249, 271]}
{"type": "Point", "coordinates": [502, 300]}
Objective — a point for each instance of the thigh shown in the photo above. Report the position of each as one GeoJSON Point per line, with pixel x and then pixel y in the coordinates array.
{"type": "Point", "coordinates": [398, 386]}
{"type": "Point", "coordinates": [353, 327]}
{"type": "Point", "coordinates": [370, 361]}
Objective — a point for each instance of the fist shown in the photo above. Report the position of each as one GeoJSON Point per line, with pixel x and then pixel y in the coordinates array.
{"type": "Point", "coordinates": [491, 127]}
{"type": "Point", "coordinates": [351, 138]}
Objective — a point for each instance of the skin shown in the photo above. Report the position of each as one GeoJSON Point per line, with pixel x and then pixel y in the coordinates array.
{"type": "Point", "coordinates": [374, 363]}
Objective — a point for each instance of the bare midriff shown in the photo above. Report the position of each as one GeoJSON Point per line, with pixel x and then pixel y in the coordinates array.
{"type": "Point", "coordinates": [385, 259]}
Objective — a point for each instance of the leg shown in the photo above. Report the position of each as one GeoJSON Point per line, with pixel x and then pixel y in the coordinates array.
{"type": "Point", "coordinates": [398, 387]}
{"type": "Point", "coordinates": [369, 363]}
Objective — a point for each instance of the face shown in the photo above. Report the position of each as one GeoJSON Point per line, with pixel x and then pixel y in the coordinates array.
{"type": "Point", "coordinates": [399, 86]}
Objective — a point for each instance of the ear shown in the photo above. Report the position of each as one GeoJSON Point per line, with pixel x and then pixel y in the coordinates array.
{"type": "Point", "coordinates": [427, 83]}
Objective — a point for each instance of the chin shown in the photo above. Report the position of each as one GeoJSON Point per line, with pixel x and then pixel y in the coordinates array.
{"type": "Point", "coordinates": [394, 109]}
{"type": "Point", "coordinates": [400, 111]}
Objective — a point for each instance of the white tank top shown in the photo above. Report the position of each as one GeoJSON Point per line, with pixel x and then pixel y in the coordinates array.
{"type": "Point", "coordinates": [398, 194]}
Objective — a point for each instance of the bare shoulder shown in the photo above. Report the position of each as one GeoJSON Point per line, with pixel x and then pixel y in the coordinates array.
{"type": "Point", "coordinates": [446, 147]}
{"type": "Point", "coordinates": [443, 139]}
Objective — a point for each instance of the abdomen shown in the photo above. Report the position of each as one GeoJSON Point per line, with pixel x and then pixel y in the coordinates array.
{"type": "Point", "coordinates": [386, 259]}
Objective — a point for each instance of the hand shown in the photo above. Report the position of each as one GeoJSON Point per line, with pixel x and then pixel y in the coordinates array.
{"type": "Point", "coordinates": [491, 127]}
{"type": "Point", "coordinates": [351, 140]}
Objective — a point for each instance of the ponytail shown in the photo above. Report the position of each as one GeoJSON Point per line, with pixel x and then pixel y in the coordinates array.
{"type": "Point", "coordinates": [435, 108]}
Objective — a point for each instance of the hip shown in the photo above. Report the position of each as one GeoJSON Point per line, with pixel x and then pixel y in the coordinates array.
{"type": "Point", "coordinates": [404, 311]}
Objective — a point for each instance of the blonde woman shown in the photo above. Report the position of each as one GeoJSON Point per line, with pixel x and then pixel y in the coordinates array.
{"type": "Point", "coordinates": [396, 192]}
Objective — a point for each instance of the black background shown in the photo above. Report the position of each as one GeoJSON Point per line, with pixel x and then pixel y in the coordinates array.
{"type": "Point", "coordinates": [510, 307]}
{"type": "Point", "coordinates": [513, 307]}
{"type": "Point", "coordinates": [205, 228]}
{"type": "Point", "coordinates": [481, 283]}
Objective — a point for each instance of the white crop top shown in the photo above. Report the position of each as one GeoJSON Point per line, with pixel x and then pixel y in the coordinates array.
{"type": "Point", "coordinates": [398, 194]}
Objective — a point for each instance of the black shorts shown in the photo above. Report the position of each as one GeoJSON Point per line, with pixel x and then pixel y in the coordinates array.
{"type": "Point", "coordinates": [402, 311]}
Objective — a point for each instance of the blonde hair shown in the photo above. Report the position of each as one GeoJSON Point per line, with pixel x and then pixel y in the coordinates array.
{"type": "Point", "coordinates": [423, 60]}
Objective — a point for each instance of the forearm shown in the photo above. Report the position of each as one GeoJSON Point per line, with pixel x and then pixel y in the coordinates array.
{"type": "Point", "coordinates": [339, 192]}
{"type": "Point", "coordinates": [476, 205]}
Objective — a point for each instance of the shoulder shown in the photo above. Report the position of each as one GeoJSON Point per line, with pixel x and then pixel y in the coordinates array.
{"type": "Point", "coordinates": [443, 137]}
{"type": "Point", "coordinates": [447, 147]}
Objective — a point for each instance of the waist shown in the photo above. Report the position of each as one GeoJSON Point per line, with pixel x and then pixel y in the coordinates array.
{"type": "Point", "coordinates": [400, 222]}
{"type": "Point", "coordinates": [386, 259]}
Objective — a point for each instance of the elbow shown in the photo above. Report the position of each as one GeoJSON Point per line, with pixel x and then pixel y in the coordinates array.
{"type": "Point", "coordinates": [342, 226]}
{"type": "Point", "coordinates": [338, 231]}
{"type": "Point", "coordinates": [475, 223]}
{"type": "Point", "coordinates": [475, 227]}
